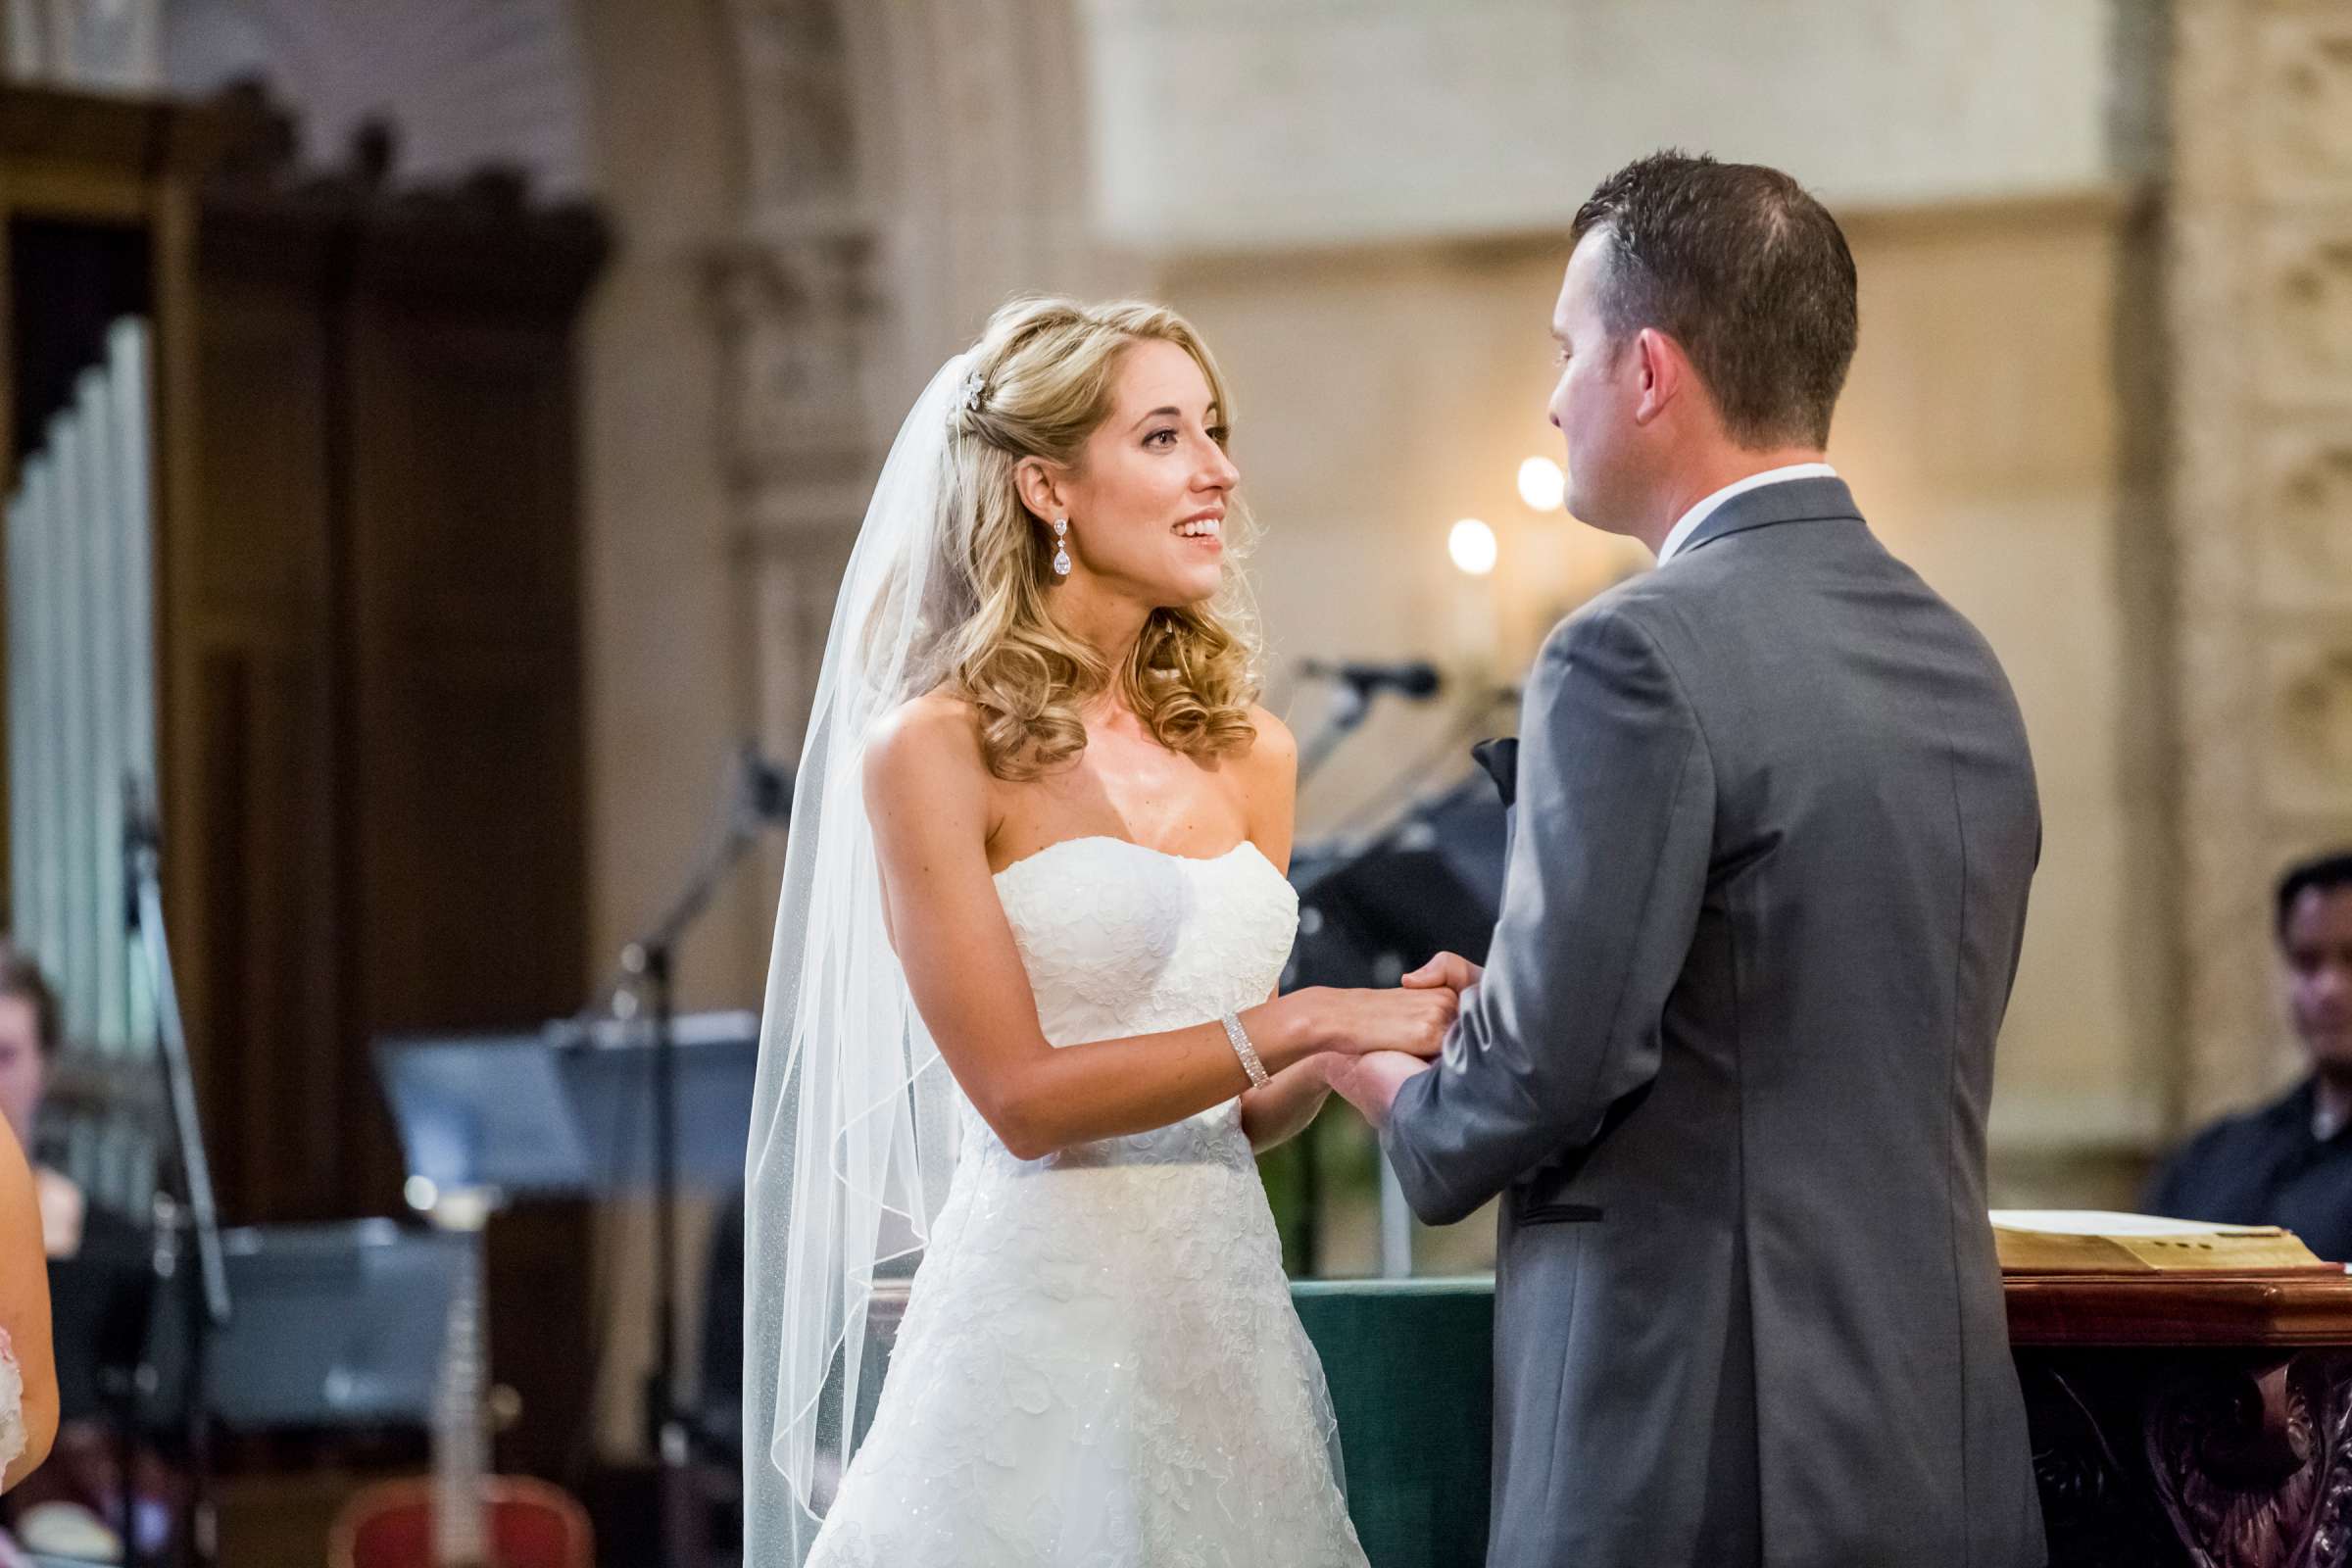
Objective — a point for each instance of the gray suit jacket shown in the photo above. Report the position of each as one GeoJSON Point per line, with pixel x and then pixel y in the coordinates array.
{"type": "Point", "coordinates": [1729, 1069]}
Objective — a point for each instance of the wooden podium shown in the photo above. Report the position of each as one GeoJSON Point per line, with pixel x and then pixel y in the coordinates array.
{"type": "Point", "coordinates": [2183, 1419]}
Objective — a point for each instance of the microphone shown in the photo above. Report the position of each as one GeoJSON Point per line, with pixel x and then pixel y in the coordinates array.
{"type": "Point", "coordinates": [1416, 679]}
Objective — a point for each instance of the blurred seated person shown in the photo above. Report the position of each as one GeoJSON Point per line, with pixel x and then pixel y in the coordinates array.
{"type": "Point", "coordinates": [28, 1046]}
{"type": "Point", "coordinates": [2290, 1162]}
{"type": "Point", "coordinates": [79, 1487]}
{"type": "Point", "coordinates": [29, 1030]}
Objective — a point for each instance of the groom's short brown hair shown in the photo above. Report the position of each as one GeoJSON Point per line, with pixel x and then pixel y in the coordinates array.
{"type": "Point", "coordinates": [1744, 269]}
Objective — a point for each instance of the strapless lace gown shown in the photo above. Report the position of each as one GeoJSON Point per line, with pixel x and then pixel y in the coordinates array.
{"type": "Point", "coordinates": [1100, 1366]}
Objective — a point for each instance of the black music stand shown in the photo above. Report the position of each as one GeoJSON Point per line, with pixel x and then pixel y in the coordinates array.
{"type": "Point", "coordinates": [338, 1326]}
{"type": "Point", "coordinates": [561, 1111]}
{"type": "Point", "coordinates": [344, 1329]}
{"type": "Point", "coordinates": [101, 1327]}
{"type": "Point", "coordinates": [1430, 882]}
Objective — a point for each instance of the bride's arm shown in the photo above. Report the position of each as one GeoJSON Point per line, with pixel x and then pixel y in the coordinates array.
{"type": "Point", "coordinates": [1283, 1110]}
{"type": "Point", "coordinates": [1287, 1106]}
{"type": "Point", "coordinates": [926, 795]}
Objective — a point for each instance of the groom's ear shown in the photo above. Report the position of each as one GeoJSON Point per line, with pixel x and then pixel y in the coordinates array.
{"type": "Point", "coordinates": [1662, 370]}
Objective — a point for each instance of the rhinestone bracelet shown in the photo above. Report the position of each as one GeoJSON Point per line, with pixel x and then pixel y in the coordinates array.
{"type": "Point", "coordinates": [1243, 1049]}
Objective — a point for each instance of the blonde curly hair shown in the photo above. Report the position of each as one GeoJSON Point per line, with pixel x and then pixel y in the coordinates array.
{"type": "Point", "coordinates": [1042, 379]}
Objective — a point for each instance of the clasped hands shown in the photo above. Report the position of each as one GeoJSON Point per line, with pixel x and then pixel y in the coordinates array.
{"type": "Point", "coordinates": [1369, 1080]}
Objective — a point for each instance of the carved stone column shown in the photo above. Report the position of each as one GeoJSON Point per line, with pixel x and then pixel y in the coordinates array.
{"type": "Point", "coordinates": [799, 304]}
{"type": "Point", "coordinates": [907, 167]}
{"type": "Point", "coordinates": [2261, 314]}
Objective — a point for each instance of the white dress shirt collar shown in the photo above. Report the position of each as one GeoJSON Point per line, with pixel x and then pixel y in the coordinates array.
{"type": "Point", "coordinates": [1690, 521]}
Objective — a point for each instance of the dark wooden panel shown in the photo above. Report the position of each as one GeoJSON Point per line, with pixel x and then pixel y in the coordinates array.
{"type": "Point", "coordinates": [464, 647]}
{"type": "Point", "coordinates": [469, 811]}
{"type": "Point", "coordinates": [386, 595]}
{"type": "Point", "coordinates": [369, 629]}
{"type": "Point", "coordinates": [253, 608]}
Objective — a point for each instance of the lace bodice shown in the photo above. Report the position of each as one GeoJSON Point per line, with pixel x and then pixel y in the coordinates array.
{"type": "Point", "coordinates": [1100, 1366]}
{"type": "Point", "coordinates": [1123, 940]}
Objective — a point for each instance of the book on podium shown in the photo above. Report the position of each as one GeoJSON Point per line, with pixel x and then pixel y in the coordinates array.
{"type": "Point", "coordinates": [2050, 1241]}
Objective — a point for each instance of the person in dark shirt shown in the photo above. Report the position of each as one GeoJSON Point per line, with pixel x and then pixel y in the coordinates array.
{"type": "Point", "coordinates": [2290, 1162]}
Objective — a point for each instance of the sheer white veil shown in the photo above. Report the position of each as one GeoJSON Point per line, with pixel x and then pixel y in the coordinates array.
{"type": "Point", "coordinates": [852, 1116]}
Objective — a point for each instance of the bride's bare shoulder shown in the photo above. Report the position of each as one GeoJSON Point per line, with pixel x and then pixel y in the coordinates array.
{"type": "Point", "coordinates": [1267, 774]}
{"type": "Point", "coordinates": [933, 739]}
{"type": "Point", "coordinates": [1274, 754]}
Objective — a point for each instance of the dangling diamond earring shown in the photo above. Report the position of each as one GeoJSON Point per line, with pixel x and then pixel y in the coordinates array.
{"type": "Point", "coordinates": [1062, 547]}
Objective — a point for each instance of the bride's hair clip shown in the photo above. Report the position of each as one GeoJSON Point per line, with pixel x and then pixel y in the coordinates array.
{"type": "Point", "coordinates": [975, 391]}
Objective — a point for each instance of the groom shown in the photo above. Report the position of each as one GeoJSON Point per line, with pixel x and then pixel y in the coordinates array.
{"type": "Point", "coordinates": [1729, 1062]}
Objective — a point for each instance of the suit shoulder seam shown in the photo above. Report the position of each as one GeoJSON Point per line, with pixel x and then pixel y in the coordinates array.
{"type": "Point", "coordinates": [1619, 614]}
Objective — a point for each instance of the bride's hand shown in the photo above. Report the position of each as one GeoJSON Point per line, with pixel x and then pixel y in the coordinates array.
{"type": "Point", "coordinates": [1370, 1082]}
{"type": "Point", "coordinates": [1415, 1022]}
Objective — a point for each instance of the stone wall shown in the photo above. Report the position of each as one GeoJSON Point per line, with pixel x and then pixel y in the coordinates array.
{"type": "Point", "coordinates": [2261, 327]}
{"type": "Point", "coordinates": [1236, 124]}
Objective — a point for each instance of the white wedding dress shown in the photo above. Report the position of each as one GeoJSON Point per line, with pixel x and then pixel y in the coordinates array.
{"type": "Point", "coordinates": [1100, 1366]}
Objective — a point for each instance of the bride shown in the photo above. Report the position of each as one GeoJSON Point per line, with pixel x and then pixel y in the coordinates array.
{"type": "Point", "coordinates": [1022, 1020]}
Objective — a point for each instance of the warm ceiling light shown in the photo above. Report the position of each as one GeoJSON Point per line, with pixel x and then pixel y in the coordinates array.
{"type": "Point", "coordinates": [1541, 485]}
{"type": "Point", "coordinates": [1471, 544]}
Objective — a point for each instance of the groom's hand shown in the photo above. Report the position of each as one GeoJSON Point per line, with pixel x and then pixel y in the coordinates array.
{"type": "Point", "coordinates": [1449, 969]}
{"type": "Point", "coordinates": [1370, 1082]}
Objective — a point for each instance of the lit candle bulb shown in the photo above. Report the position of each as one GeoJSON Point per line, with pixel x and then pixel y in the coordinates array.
{"type": "Point", "coordinates": [1542, 485]}
{"type": "Point", "coordinates": [1472, 545]}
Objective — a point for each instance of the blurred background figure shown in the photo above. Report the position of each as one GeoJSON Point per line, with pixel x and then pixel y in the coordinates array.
{"type": "Point", "coordinates": [76, 1489]}
{"type": "Point", "coordinates": [28, 1060]}
{"type": "Point", "coordinates": [2289, 1163]}
{"type": "Point", "coordinates": [29, 1024]}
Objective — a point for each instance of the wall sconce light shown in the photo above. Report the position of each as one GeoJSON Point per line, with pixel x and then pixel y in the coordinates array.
{"type": "Point", "coordinates": [1543, 484]}
{"type": "Point", "coordinates": [1471, 544]}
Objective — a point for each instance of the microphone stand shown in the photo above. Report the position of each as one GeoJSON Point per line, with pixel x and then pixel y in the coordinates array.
{"type": "Point", "coordinates": [1350, 702]}
{"type": "Point", "coordinates": [142, 857]}
{"type": "Point", "coordinates": [1354, 686]}
{"type": "Point", "coordinates": [761, 794]}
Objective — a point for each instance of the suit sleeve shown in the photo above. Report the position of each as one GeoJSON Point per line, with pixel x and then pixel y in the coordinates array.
{"type": "Point", "coordinates": [1608, 865]}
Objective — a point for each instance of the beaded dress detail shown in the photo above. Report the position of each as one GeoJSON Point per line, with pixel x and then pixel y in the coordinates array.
{"type": "Point", "coordinates": [1100, 1366]}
